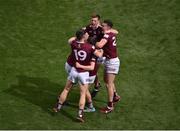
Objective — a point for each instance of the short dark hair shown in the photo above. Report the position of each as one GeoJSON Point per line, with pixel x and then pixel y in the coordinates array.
{"type": "Point", "coordinates": [109, 23]}
{"type": "Point", "coordinates": [96, 16]}
{"type": "Point", "coordinates": [80, 33]}
{"type": "Point", "coordinates": [92, 40]}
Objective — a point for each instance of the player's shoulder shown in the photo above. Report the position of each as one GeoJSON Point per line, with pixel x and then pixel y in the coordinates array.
{"type": "Point", "coordinates": [88, 26]}
{"type": "Point", "coordinates": [74, 43]}
{"type": "Point", "coordinates": [108, 35]}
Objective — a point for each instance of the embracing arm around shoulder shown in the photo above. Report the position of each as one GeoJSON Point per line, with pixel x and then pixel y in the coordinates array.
{"type": "Point", "coordinates": [101, 43]}
{"type": "Point", "coordinates": [114, 31]}
{"type": "Point", "coordinates": [71, 39]}
{"type": "Point", "coordinates": [98, 52]}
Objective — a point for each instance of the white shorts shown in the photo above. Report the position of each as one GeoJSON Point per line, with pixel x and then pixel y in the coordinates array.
{"type": "Point", "coordinates": [112, 65]}
{"type": "Point", "coordinates": [92, 79]}
{"type": "Point", "coordinates": [68, 68]}
{"type": "Point", "coordinates": [81, 77]}
{"type": "Point", "coordinates": [101, 60]}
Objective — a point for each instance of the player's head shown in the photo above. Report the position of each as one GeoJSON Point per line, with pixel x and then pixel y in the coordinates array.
{"type": "Point", "coordinates": [95, 19]}
{"type": "Point", "coordinates": [82, 34]}
{"type": "Point", "coordinates": [107, 25]}
{"type": "Point", "coordinates": [91, 40]}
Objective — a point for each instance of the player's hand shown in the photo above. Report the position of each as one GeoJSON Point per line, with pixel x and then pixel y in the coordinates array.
{"type": "Point", "coordinates": [78, 65]}
{"type": "Point", "coordinates": [101, 50]}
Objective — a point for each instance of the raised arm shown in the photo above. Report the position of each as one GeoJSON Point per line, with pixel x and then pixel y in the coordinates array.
{"type": "Point", "coordinates": [114, 31]}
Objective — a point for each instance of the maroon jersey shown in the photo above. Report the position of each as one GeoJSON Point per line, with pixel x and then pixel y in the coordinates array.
{"type": "Point", "coordinates": [94, 72]}
{"type": "Point", "coordinates": [82, 53]}
{"type": "Point", "coordinates": [97, 33]}
{"type": "Point", "coordinates": [110, 50]}
{"type": "Point", "coordinates": [70, 59]}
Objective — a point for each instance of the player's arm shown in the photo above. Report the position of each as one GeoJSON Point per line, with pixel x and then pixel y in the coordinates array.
{"type": "Point", "coordinates": [98, 52]}
{"type": "Point", "coordinates": [87, 68]}
{"type": "Point", "coordinates": [71, 39]}
{"type": "Point", "coordinates": [114, 31]}
{"type": "Point", "coordinates": [101, 43]}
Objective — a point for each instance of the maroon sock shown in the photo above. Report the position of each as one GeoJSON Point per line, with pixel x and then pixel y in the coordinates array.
{"type": "Point", "coordinates": [110, 104]}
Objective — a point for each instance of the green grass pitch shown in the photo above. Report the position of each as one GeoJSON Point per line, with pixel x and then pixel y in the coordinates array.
{"type": "Point", "coordinates": [33, 50]}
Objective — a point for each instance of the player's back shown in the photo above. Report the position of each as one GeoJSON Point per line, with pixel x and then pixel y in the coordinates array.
{"type": "Point", "coordinates": [82, 53]}
{"type": "Point", "coordinates": [110, 49]}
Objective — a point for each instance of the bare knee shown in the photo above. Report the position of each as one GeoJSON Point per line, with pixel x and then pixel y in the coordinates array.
{"type": "Point", "coordinates": [67, 88]}
{"type": "Point", "coordinates": [109, 84]}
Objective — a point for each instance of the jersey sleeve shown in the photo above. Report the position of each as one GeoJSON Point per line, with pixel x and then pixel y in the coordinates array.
{"type": "Point", "coordinates": [72, 44]}
{"type": "Point", "coordinates": [106, 36]}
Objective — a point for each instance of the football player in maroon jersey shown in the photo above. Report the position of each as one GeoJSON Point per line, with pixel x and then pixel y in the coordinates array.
{"type": "Point", "coordinates": [112, 64]}
{"type": "Point", "coordinates": [95, 31]}
{"type": "Point", "coordinates": [82, 53]}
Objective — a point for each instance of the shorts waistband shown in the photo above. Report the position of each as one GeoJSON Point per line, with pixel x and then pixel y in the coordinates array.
{"type": "Point", "coordinates": [116, 58]}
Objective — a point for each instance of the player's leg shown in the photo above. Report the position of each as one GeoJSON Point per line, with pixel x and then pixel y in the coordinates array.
{"type": "Point", "coordinates": [82, 101]}
{"type": "Point", "coordinates": [116, 65]}
{"type": "Point", "coordinates": [116, 97]}
{"type": "Point", "coordinates": [97, 84]}
{"type": "Point", "coordinates": [96, 81]}
{"type": "Point", "coordinates": [83, 79]}
{"type": "Point", "coordinates": [89, 104]}
{"type": "Point", "coordinates": [111, 69]}
{"type": "Point", "coordinates": [83, 90]}
{"type": "Point", "coordinates": [109, 81]}
{"type": "Point", "coordinates": [110, 87]}
{"type": "Point", "coordinates": [64, 93]}
{"type": "Point", "coordinates": [63, 96]}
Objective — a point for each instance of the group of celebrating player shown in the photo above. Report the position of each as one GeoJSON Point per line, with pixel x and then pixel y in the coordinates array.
{"type": "Point", "coordinates": [93, 45]}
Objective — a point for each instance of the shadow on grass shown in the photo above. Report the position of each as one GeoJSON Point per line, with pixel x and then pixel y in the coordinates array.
{"type": "Point", "coordinates": [38, 91]}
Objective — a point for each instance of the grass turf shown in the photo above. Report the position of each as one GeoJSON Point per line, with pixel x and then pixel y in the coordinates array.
{"type": "Point", "coordinates": [33, 50]}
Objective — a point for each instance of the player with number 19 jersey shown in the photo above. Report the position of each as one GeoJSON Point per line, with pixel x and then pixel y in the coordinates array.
{"type": "Point", "coordinates": [82, 53]}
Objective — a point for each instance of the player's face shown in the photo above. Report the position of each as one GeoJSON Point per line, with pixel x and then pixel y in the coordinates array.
{"type": "Point", "coordinates": [94, 21]}
{"type": "Point", "coordinates": [105, 27]}
{"type": "Point", "coordinates": [86, 36]}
